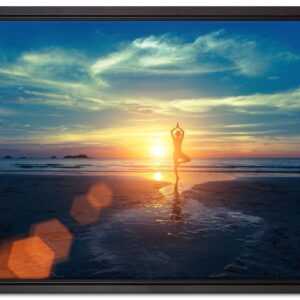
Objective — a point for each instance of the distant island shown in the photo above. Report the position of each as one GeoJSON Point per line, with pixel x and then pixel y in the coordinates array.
{"type": "Point", "coordinates": [76, 156]}
{"type": "Point", "coordinates": [7, 157]}
{"type": "Point", "coordinates": [79, 156]}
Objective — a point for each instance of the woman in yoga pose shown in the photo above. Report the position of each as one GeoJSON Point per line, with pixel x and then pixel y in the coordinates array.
{"type": "Point", "coordinates": [177, 134]}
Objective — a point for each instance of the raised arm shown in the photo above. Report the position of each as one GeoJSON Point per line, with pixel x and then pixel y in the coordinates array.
{"type": "Point", "coordinates": [180, 129]}
{"type": "Point", "coordinates": [173, 131]}
{"type": "Point", "coordinates": [182, 132]}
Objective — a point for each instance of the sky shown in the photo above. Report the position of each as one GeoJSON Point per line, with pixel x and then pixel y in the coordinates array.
{"type": "Point", "coordinates": [113, 89]}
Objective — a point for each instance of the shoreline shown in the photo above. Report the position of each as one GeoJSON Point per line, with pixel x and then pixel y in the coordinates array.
{"type": "Point", "coordinates": [272, 252]}
{"type": "Point", "coordinates": [111, 219]}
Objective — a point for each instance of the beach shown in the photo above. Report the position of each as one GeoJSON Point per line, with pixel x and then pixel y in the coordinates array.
{"type": "Point", "coordinates": [134, 227]}
{"type": "Point", "coordinates": [273, 250]}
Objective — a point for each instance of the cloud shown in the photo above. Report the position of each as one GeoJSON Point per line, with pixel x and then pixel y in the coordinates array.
{"type": "Point", "coordinates": [252, 104]}
{"type": "Point", "coordinates": [255, 103]}
{"type": "Point", "coordinates": [259, 103]}
{"type": "Point", "coordinates": [6, 112]}
{"type": "Point", "coordinates": [69, 79]}
{"type": "Point", "coordinates": [52, 56]}
{"type": "Point", "coordinates": [46, 63]}
{"type": "Point", "coordinates": [56, 65]}
{"type": "Point", "coordinates": [52, 76]}
{"type": "Point", "coordinates": [64, 100]}
{"type": "Point", "coordinates": [213, 52]}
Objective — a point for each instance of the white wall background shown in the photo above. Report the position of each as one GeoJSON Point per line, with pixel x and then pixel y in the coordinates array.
{"type": "Point", "coordinates": [149, 3]}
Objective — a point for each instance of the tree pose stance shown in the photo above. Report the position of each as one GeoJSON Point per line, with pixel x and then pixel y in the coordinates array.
{"type": "Point", "coordinates": [179, 157]}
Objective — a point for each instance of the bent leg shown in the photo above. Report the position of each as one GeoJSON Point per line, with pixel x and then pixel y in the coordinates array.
{"type": "Point", "coordinates": [184, 158]}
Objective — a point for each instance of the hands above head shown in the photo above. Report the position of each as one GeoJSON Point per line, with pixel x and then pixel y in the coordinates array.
{"type": "Point", "coordinates": [177, 128]}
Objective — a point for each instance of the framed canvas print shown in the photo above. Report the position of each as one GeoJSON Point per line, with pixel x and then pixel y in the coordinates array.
{"type": "Point", "coordinates": [149, 149]}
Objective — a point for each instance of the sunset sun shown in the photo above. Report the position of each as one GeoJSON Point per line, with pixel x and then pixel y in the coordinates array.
{"type": "Point", "coordinates": [158, 151]}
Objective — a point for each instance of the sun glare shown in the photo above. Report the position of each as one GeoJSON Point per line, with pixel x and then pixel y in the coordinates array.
{"type": "Point", "coordinates": [158, 151]}
{"type": "Point", "coordinates": [157, 176]}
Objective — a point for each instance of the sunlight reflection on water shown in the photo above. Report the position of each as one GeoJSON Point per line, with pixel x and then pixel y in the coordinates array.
{"type": "Point", "coordinates": [159, 233]}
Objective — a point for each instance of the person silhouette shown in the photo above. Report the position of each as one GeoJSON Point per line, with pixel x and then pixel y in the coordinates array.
{"type": "Point", "coordinates": [177, 134]}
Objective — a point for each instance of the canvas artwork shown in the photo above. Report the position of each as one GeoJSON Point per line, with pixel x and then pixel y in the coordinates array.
{"type": "Point", "coordinates": [149, 150]}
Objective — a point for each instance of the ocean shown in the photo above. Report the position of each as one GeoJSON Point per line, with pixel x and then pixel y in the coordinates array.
{"type": "Point", "coordinates": [222, 218]}
{"type": "Point", "coordinates": [94, 166]}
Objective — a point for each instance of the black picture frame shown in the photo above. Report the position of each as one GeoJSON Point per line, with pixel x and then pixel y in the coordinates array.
{"type": "Point", "coordinates": [150, 13]}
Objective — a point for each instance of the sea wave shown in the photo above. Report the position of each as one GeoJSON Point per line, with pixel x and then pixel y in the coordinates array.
{"type": "Point", "coordinates": [285, 166]}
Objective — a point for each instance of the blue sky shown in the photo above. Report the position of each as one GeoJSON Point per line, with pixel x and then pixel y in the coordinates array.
{"type": "Point", "coordinates": [104, 86]}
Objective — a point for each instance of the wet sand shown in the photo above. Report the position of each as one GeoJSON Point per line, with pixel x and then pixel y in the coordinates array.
{"type": "Point", "coordinates": [111, 227]}
{"type": "Point", "coordinates": [273, 251]}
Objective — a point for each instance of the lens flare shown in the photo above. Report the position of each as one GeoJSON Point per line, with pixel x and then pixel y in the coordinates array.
{"type": "Point", "coordinates": [31, 258]}
{"type": "Point", "coordinates": [56, 236]}
{"type": "Point", "coordinates": [86, 209]}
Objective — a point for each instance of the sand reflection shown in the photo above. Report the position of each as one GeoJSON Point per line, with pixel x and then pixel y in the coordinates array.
{"type": "Point", "coordinates": [176, 214]}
